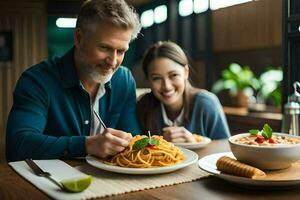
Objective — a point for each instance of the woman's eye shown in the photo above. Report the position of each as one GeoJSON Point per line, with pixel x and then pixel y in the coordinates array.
{"type": "Point", "coordinates": [155, 78]}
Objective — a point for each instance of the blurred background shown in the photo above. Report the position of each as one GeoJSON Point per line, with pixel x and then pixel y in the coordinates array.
{"type": "Point", "coordinates": [245, 51]}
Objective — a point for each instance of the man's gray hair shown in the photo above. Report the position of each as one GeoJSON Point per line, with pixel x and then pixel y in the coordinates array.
{"type": "Point", "coordinates": [117, 12]}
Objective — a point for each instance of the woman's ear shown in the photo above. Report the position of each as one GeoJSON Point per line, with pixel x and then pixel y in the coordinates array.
{"type": "Point", "coordinates": [186, 72]}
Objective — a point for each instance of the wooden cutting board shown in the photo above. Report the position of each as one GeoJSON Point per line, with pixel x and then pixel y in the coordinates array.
{"type": "Point", "coordinates": [288, 174]}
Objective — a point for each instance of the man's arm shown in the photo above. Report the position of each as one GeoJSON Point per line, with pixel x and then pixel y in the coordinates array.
{"type": "Point", "coordinates": [27, 120]}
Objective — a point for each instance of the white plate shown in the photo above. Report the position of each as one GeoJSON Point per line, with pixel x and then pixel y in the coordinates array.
{"type": "Point", "coordinates": [196, 145]}
{"type": "Point", "coordinates": [208, 163]}
{"type": "Point", "coordinates": [190, 158]}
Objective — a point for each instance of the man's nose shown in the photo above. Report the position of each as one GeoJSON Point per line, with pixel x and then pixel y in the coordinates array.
{"type": "Point", "coordinates": [112, 58]}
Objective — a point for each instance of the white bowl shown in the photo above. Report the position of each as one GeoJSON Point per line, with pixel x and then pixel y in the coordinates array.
{"type": "Point", "coordinates": [275, 157]}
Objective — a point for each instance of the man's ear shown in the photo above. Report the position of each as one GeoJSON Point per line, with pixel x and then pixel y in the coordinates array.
{"type": "Point", "coordinates": [186, 72]}
{"type": "Point", "coordinates": [78, 37]}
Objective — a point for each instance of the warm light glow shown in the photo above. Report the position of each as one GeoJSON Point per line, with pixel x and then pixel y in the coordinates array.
{"type": "Point", "coordinates": [200, 6]}
{"type": "Point", "coordinates": [216, 4]}
{"type": "Point", "coordinates": [147, 18]}
{"type": "Point", "coordinates": [185, 7]}
{"type": "Point", "coordinates": [160, 14]}
{"type": "Point", "coordinates": [66, 22]}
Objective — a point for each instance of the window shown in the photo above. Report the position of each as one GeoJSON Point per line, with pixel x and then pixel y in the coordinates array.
{"type": "Point", "coordinates": [66, 22]}
{"type": "Point", "coordinates": [185, 8]}
{"type": "Point", "coordinates": [158, 15]}
{"type": "Point", "coordinates": [200, 6]}
{"type": "Point", "coordinates": [216, 4]}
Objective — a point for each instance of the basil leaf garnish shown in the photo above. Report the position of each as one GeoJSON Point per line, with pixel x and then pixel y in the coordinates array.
{"type": "Point", "coordinates": [153, 141]}
{"type": "Point", "coordinates": [141, 143]}
{"type": "Point", "coordinates": [267, 131]}
{"type": "Point", "coordinates": [253, 131]}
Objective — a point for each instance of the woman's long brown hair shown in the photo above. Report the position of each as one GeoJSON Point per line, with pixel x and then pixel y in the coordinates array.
{"type": "Point", "coordinates": [148, 107]}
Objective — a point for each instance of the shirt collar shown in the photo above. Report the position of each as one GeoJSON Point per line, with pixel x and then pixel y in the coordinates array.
{"type": "Point", "coordinates": [177, 122]}
{"type": "Point", "coordinates": [100, 93]}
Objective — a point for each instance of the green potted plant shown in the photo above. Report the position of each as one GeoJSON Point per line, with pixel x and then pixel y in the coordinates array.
{"type": "Point", "coordinates": [239, 81]}
{"type": "Point", "coordinates": [269, 91]}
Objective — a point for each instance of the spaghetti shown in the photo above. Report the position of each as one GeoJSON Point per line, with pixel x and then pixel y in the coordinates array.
{"type": "Point", "coordinates": [163, 154]}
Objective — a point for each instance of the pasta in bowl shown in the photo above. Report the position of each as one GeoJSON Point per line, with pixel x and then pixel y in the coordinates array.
{"type": "Point", "coordinates": [265, 149]}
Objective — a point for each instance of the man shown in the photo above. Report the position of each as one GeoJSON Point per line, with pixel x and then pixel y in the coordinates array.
{"type": "Point", "coordinates": [61, 105]}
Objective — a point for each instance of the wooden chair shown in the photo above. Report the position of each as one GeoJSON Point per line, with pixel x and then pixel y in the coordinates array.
{"type": "Point", "coordinates": [2, 144]}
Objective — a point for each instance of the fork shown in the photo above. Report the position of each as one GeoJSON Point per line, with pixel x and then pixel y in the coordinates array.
{"type": "Point", "coordinates": [38, 171]}
{"type": "Point", "coordinates": [100, 120]}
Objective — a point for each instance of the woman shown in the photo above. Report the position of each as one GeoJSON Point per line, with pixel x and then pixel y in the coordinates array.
{"type": "Point", "coordinates": [174, 108]}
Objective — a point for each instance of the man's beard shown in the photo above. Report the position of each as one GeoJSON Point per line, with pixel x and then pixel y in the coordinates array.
{"type": "Point", "coordinates": [99, 78]}
{"type": "Point", "coordinates": [93, 74]}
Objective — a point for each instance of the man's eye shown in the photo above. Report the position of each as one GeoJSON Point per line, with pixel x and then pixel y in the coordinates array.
{"type": "Point", "coordinates": [120, 52]}
{"type": "Point", "coordinates": [103, 48]}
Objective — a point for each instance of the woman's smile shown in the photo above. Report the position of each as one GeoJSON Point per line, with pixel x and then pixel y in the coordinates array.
{"type": "Point", "coordinates": [167, 94]}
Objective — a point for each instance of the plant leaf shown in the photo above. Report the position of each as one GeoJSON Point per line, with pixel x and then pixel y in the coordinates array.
{"type": "Point", "coordinates": [218, 86]}
{"type": "Point", "coordinates": [235, 68]}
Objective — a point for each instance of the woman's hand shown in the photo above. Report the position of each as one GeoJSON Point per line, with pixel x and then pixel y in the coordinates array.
{"type": "Point", "coordinates": [177, 134]}
{"type": "Point", "coordinates": [109, 143]}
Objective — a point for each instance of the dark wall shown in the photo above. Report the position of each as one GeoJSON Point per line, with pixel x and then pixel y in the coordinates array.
{"type": "Point", "coordinates": [291, 37]}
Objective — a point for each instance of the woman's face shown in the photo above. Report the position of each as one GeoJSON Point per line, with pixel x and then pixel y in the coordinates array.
{"type": "Point", "coordinates": [167, 81]}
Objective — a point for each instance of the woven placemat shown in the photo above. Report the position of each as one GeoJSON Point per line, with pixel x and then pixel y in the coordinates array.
{"type": "Point", "coordinates": [108, 183]}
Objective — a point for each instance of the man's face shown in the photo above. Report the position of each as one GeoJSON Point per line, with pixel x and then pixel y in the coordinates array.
{"type": "Point", "coordinates": [101, 51]}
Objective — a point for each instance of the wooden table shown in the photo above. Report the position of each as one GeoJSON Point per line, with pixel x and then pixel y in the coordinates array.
{"type": "Point", "coordinates": [13, 186]}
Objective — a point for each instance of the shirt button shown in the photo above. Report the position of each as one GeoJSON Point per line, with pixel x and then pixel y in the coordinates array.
{"type": "Point", "coordinates": [86, 122]}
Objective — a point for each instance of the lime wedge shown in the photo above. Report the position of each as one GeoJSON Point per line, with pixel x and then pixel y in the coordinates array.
{"type": "Point", "coordinates": [77, 184]}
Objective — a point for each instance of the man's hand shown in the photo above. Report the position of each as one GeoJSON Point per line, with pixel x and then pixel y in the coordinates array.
{"type": "Point", "coordinates": [109, 143]}
{"type": "Point", "coordinates": [177, 134]}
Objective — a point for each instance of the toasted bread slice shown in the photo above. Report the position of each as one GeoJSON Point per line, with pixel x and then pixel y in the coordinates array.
{"type": "Point", "coordinates": [235, 167]}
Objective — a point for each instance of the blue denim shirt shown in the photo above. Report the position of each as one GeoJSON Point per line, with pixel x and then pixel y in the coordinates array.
{"type": "Point", "coordinates": [51, 113]}
{"type": "Point", "coordinates": [207, 117]}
